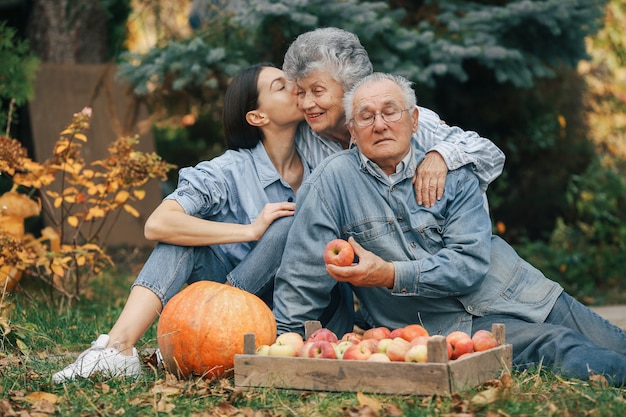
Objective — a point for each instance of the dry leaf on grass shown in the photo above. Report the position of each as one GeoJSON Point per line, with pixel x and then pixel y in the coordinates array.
{"type": "Point", "coordinates": [369, 401]}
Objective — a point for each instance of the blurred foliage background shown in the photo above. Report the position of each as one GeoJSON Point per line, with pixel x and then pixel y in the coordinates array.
{"type": "Point", "coordinates": [544, 79]}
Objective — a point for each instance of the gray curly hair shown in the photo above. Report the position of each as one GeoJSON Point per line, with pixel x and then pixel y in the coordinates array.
{"type": "Point", "coordinates": [328, 49]}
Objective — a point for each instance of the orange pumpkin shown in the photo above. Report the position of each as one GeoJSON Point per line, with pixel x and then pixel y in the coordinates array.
{"type": "Point", "coordinates": [202, 327]}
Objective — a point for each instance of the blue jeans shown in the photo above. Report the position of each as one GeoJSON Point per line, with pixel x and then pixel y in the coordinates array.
{"type": "Point", "coordinates": [573, 341]}
{"type": "Point", "coordinates": [169, 267]}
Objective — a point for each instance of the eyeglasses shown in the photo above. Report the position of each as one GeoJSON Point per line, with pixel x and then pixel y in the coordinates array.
{"type": "Point", "coordinates": [388, 114]}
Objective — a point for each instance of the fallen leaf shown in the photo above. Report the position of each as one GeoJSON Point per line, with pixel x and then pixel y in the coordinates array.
{"type": "Point", "coordinates": [369, 401]}
{"type": "Point", "coordinates": [485, 397]}
{"type": "Point", "coordinates": [33, 397]}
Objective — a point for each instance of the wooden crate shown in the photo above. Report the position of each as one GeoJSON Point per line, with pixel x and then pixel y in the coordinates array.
{"type": "Point", "coordinates": [438, 376]}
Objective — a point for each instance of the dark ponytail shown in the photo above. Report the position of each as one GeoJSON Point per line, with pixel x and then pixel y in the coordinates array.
{"type": "Point", "coordinates": [241, 97]}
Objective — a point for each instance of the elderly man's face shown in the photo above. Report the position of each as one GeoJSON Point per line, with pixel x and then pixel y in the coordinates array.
{"type": "Point", "coordinates": [384, 142]}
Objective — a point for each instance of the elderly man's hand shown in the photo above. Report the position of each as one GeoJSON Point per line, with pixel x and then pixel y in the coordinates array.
{"type": "Point", "coordinates": [371, 271]}
{"type": "Point", "coordinates": [430, 179]}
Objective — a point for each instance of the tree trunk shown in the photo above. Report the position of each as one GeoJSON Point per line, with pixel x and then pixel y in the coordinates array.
{"type": "Point", "coordinates": [68, 31]}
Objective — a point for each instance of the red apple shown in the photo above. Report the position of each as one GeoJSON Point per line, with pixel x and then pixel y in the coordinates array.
{"type": "Point", "coordinates": [395, 333]}
{"type": "Point", "coordinates": [412, 331]}
{"type": "Point", "coordinates": [352, 337]}
{"type": "Point", "coordinates": [358, 352]}
{"type": "Point", "coordinates": [371, 344]}
{"type": "Point", "coordinates": [483, 340]}
{"type": "Point", "coordinates": [417, 353]}
{"type": "Point", "coordinates": [461, 343]}
{"type": "Point", "coordinates": [290, 338]}
{"type": "Point", "coordinates": [339, 252]}
{"type": "Point", "coordinates": [377, 333]}
{"type": "Point", "coordinates": [420, 340]}
{"type": "Point", "coordinates": [321, 349]}
{"type": "Point", "coordinates": [397, 349]}
{"type": "Point", "coordinates": [379, 357]}
{"type": "Point", "coordinates": [323, 334]}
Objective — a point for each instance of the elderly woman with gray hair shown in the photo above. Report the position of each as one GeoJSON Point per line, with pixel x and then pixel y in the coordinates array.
{"type": "Point", "coordinates": [327, 62]}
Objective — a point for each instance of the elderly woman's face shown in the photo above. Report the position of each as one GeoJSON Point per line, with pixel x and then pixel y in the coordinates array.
{"type": "Point", "coordinates": [320, 98]}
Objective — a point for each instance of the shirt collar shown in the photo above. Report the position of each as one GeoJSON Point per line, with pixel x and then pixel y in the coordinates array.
{"type": "Point", "coordinates": [405, 168]}
{"type": "Point", "coordinates": [265, 168]}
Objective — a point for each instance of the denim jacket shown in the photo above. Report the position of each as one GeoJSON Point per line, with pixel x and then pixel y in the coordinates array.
{"type": "Point", "coordinates": [448, 266]}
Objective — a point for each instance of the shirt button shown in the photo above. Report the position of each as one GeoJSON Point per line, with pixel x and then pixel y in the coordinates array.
{"type": "Point", "coordinates": [470, 308]}
{"type": "Point", "coordinates": [413, 244]}
{"type": "Point", "coordinates": [393, 188]}
{"type": "Point", "coordinates": [400, 218]}
{"type": "Point", "coordinates": [404, 290]}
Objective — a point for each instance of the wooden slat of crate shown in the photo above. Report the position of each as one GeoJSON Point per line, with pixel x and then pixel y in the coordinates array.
{"type": "Point", "coordinates": [479, 367]}
{"type": "Point", "coordinates": [339, 375]}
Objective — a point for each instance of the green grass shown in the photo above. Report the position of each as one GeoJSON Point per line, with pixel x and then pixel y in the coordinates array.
{"type": "Point", "coordinates": [43, 340]}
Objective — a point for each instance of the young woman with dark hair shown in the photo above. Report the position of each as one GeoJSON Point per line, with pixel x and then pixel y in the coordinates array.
{"type": "Point", "coordinates": [221, 221]}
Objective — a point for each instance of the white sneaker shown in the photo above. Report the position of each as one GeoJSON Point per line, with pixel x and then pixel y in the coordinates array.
{"type": "Point", "coordinates": [99, 358]}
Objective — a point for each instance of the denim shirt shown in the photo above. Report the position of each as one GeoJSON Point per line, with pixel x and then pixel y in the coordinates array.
{"type": "Point", "coordinates": [457, 147]}
{"type": "Point", "coordinates": [233, 188]}
{"type": "Point", "coordinates": [448, 266]}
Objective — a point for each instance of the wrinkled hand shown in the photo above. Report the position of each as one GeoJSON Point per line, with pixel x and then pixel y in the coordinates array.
{"type": "Point", "coordinates": [370, 271]}
{"type": "Point", "coordinates": [430, 179]}
{"type": "Point", "coordinates": [271, 212]}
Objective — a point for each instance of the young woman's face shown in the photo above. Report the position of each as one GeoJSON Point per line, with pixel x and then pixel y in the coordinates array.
{"type": "Point", "coordinates": [320, 98]}
{"type": "Point", "coordinates": [277, 97]}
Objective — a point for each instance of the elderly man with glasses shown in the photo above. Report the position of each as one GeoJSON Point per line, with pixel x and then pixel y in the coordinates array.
{"type": "Point", "coordinates": [438, 266]}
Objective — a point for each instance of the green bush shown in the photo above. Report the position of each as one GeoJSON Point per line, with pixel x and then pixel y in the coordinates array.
{"type": "Point", "coordinates": [17, 75]}
{"type": "Point", "coordinates": [587, 253]}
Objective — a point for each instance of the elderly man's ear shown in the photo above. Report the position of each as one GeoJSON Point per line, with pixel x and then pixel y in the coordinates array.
{"type": "Point", "coordinates": [415, 115]}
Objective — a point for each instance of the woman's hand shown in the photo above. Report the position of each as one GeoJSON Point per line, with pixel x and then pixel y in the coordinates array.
{"type": "Point", "coordinates": [271, 212]}
{"type": "Point", "coordinates": [430, 179]}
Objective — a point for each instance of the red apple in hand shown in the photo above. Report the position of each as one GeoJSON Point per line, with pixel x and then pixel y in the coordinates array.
{"type": "Point", "coordinates": [461, 344]}
{"type": "Point", "coordinates": [483, 340]}
{"type": "Point", "coordinates": [339, 252]}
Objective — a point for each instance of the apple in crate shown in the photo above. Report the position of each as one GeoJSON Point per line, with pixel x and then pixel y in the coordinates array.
{"type": "Point", "coordinates": [412, 331]}
{"type": "Point", "coordinates": [352, 337]}
{"type": "Point", "coordinates": [379, 357]}
{"type": "Point", "coordinates": [377, 333]}
{"type": "Point", "coordinates": [396, 351]}
{"type": "Point", "coordinates": [484, 340]}
{"type": "Point", "coordinates": [290, 338]}
{"type": "Point", "coordinates": [362, 352]}
{"type": "Point", "coordinates": [339, 252]}
{"type": "Point", "coordinates": [321, 349]}
{"type": "Point", "coordinates": [417, 353]}
{"type": "Point", "coordinates": [342, 346]}
{"type": "Point", "coordinates": [461, 344]}
{"type": "Point", "coordinates": [323, 334]}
